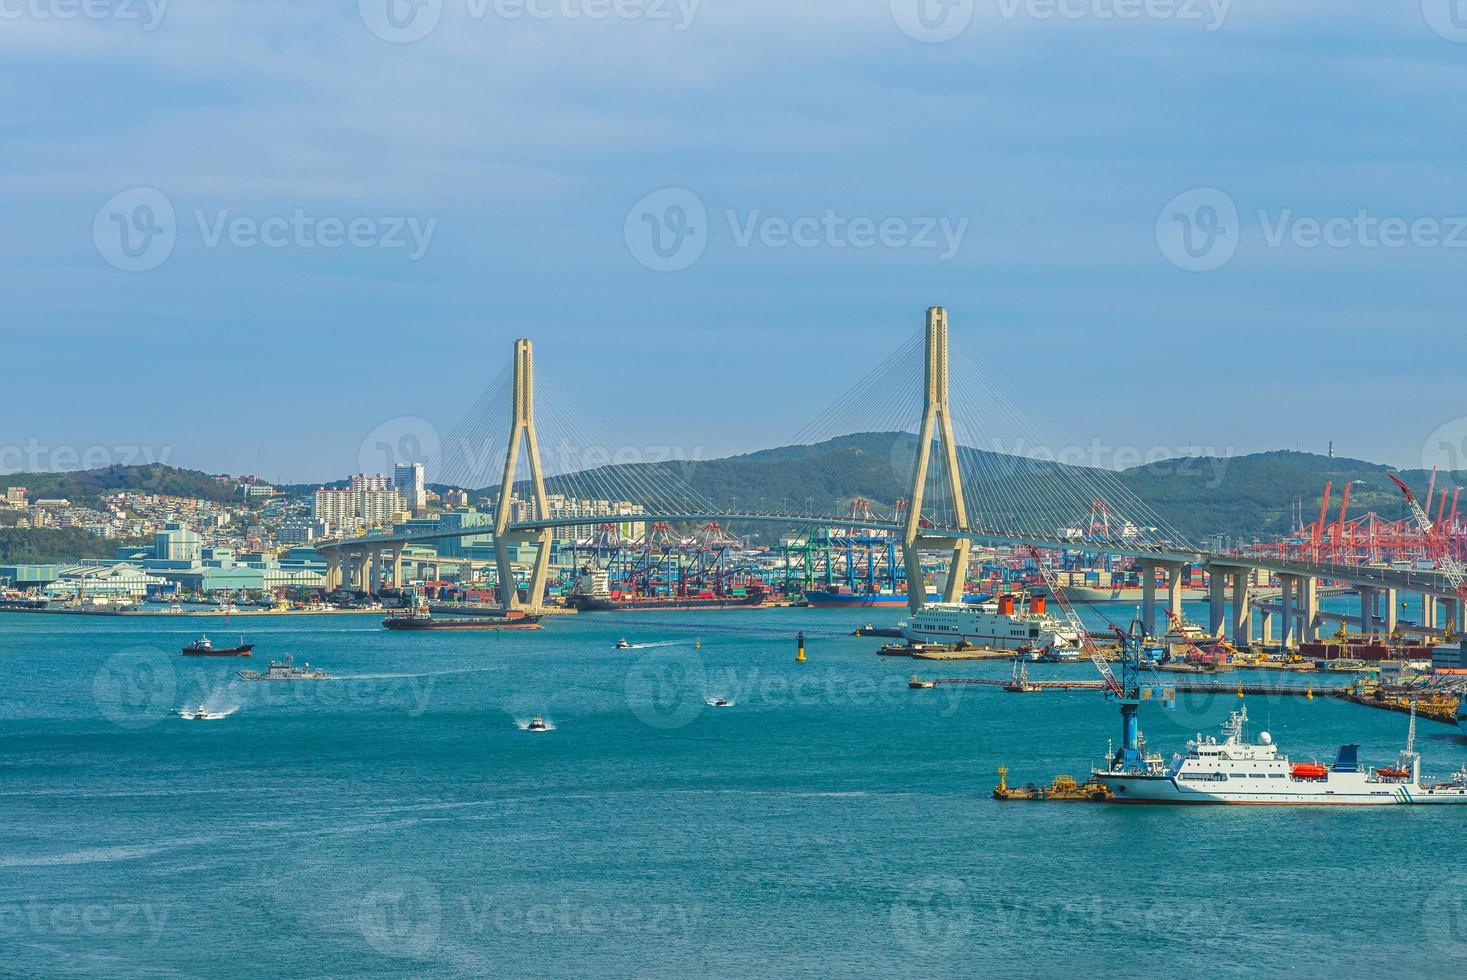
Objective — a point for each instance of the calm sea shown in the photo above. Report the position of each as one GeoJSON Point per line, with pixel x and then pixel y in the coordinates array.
{"type": "Point", "coordinates": [398, 821]}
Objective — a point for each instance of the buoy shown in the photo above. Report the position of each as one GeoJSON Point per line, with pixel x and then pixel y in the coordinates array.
{"type": "Point", "coordinates": [697, 643]}
{"type": "Point", "coordinates": [800, 648]}
{"type": "Point", "coordinates": [1309, 694]}
{"type": "Point", "coordinates": [1240, 690]}
{"type": "Point", "coordinates": [1003, 784]}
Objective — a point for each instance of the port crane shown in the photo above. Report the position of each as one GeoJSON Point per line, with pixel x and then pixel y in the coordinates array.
{"type": "Point", "coordinates": [1440, 548]}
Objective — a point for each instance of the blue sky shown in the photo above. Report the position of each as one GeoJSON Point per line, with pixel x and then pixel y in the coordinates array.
{"type": "Point", "coordinates": [1043, 173]}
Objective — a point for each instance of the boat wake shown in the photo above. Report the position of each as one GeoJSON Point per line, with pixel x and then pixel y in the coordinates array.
{"type": "Point", "coordinates": [425, 673]}
{"type": "Point", "coordinates": [659, 645]}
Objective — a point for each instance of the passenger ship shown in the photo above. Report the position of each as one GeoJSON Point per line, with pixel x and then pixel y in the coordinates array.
{"type": "Point", "coordinates": [1010, 621]}
{"type": "Point", "coordinates": [1235, 770]}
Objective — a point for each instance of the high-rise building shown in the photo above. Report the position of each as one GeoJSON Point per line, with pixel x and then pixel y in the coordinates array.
{"type": "Point", "coordinates": [408, 479]}
{"type": "Point", "coordinates": [370, 502]}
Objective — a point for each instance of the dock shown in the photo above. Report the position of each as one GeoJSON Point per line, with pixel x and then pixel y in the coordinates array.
{"type": "Point", "coordinates": [1181, 687]}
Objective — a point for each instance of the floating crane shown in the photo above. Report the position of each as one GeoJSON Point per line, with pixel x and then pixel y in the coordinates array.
{"type": "Point", "coordinates": [1073, 619]}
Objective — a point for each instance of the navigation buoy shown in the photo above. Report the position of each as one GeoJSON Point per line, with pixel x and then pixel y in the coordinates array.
{"type": "Point", "coordinates": [1309, 694]}
{"type": "Point", "coordinates": [800, 648]}
{"type": "Point", "coordinates": [697, 643]}
{"type": "Point", "coordinates": [1240, 690]}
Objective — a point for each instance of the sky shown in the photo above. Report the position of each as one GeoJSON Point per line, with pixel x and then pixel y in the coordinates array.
{"type": "Point", "coordinates": [257, 236]}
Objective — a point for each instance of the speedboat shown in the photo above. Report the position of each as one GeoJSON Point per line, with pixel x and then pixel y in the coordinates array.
{"type": "Point", "coordinates": [537, 724]}
{"type": "Point", "coordinates": [200, 714]}
{"type": "Point", "coordinates": [622, 644]}
{"type": "Point", "coordinates": [719, 703]}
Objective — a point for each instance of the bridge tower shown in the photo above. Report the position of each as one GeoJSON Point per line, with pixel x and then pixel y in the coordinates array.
{"type": "Point", "coordinates": [522, 425]}
{"type": "Point", "coordinates": [936, 419]}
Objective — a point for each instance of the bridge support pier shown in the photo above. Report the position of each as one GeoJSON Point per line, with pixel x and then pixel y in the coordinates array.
{"type": "Point", "coordinates": [1428, 611]}
{"type": "Point", "coordinates": [1391, 610]}
{"type": "Point", "coordinates": [1289, 586]}
{"type": "Point", "coordinates": [936, 420]}
{"type": "Point", "coordinates": [1308, 609]}
{"type": "Point", "coordinates": [1148, 596]}
{"type": "Point", "coordinates": [1242, 610]}
{"type": "Point", "coordinates": [1452, 615]}
{"type": "Point", "coordinates": [1217, 596]}
{"type": "Point", "coordinates": [397, 567]}
{"type": "Point", "coordinates": [1265, 620]}
{"type": "Point", "coordinates": [374, 571]}
{"type": "Point", "coordinates": [1367, 609]}
{"type": "Point", "coordinates": [333, 570]}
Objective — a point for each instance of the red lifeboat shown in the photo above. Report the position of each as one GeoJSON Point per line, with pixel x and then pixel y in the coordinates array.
{"type": "Point", "coordinates": [1309, 770]}
{"type": "Point", "coordinates": [1393, 772]}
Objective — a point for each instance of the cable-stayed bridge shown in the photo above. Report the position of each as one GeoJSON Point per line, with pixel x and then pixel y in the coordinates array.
{"type": "Point", "coordinates": [955, 497]}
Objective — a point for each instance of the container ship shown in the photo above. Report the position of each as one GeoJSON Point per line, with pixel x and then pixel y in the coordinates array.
{"type": "Point", "coordinates": [1010, 621]}
{"type": "Point", "coordinates": [842, 597]}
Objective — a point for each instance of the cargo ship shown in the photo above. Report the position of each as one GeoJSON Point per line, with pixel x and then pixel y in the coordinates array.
{"type": "Point", "coordinates": [1011, 621]}
{"type": "Point", "coordinates": [424, 620]}
{"type": "Point", "coordinates": [204, 647]}
{"type": "Point", "coordinates": [1238, 771]}
{"type": "Point", "coordinates": [592, 593]}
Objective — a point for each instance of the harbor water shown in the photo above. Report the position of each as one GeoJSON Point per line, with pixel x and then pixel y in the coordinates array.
{"type": "Point", "coordinates": [399, 820]}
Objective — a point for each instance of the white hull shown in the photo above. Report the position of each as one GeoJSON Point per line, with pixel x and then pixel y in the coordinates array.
{"type": "Point", "coordinates": [1129, 788]}
{"type": "Point", "coordinates": [983, 625]}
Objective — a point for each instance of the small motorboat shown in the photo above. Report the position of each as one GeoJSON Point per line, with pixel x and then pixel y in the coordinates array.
{"type": "Point", "coordinates": [537, 724]}
{"type": "Point", "coordinates": [200, 714]}
{"type": "Point", "coordinates": [622, 644]}
{"type": "Point", "coordinates": [720, 703]}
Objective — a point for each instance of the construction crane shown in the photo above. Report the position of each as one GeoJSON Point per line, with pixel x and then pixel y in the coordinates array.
{"type": "Point", "coordinates": [1441, 551]}
{"type": "Point", "coordinates": [1073, 619]}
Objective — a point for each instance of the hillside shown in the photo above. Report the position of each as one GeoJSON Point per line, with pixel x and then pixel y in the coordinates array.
{"type": "Point", "coordinates": [86, 487]}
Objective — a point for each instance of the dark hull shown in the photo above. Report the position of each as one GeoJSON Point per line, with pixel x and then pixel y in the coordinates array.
{"type": "Point", "coordinates": [462, 623]}
{"type": "Point", "coordinates": [590, 604]}
{"type": "Point", "coordinates": [240, 651]}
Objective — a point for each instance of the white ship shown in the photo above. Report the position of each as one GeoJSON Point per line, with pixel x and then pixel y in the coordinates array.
{"type": "Point", "coordinates": [1236, 770]}
{"type": "Point", "coordinates": [1008, 622]}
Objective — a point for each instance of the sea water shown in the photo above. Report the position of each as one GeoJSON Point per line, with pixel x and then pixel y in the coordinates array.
{"type": "Point", "coordinates": [399, 820]}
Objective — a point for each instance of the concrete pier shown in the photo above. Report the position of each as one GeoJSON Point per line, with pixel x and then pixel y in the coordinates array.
{"type": "Point", "coordinates": [1242, 610]}
{"type": "Point", "coordinates": [1217, 601]}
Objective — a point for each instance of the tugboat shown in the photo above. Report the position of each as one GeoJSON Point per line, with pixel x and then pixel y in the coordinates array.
{"type": "Point", "coordinates": [285, 670]}
{"type": "Point", "coordinates": [537, 724]}
{"type": "Point", "coordinates": [204, 647]}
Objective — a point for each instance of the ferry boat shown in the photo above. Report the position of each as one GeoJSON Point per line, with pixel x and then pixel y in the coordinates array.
{"type": "Point", "coordinates": [285, 670]}
{"type": "Point", "coordinates": [1011, 621]}
{"type": "Point", "coordinates": [204, 647]}
{"type": "Point", "coordinates": [1236, 770]}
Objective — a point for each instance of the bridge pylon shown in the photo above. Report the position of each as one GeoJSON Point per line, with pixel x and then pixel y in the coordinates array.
{"type": "Point", "coordinates": [936, 420]}
{"type": "Point", "coordinates": [522, 426]}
